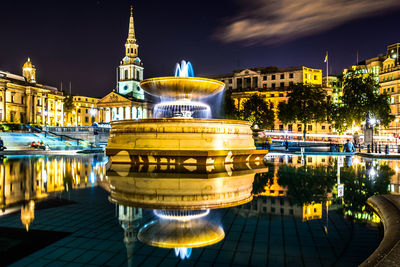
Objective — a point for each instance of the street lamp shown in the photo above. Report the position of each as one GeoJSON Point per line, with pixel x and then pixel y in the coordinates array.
{"type": "Point", "coordinates": [372, 122]}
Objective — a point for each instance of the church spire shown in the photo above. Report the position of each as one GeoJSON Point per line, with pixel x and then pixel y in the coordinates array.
{"type": "Point", "coordinates": [131, 47]}
{"type": "Point", "coordinates": [131, 34]}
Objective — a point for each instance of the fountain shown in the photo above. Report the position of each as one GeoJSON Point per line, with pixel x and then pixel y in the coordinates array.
{"type": "Point", "coordinates": [181, 129]}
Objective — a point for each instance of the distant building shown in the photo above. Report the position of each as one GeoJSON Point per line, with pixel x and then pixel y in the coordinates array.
{"type": "Point", "coordinates": [386, 71]}
{"type": "Point", "coordinates": [128, 100]}
{"type": "Point", "coordinates": [272, 84]}
{"type": "Point", "coordinates": [23, 100]}
{"type": "Point", "coordinates": [83, 113]}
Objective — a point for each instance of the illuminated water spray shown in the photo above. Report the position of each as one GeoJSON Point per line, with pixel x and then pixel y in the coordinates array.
{"type": "Point", "coordinates": [182, 106]}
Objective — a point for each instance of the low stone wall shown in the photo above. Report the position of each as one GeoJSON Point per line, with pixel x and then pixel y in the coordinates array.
{"type": "Point", "coordinates": [86, 133]}
{"type": "Point", "coordinates": [388, 252]}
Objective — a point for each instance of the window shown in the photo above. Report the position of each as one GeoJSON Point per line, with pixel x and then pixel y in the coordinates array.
{"type": "Point", "coordinates": [290, 83]}
{"type": "Point", "coordinates": [282, 202]}
{"type": "Point", "coordinates": [22, 99]}
{"type": "Point", "coordinates": [273, 77]}
{"type": "Point", "coordinates": [309, 159]}
{"type": "Point", "coordinates": [282, 84]}
{"type": "Point", "coordinates": [230, 80]}
{"type": "Point", "coordinates": [273, 210]}
{"type": "Point", "coordinates": [264, 85]}
{"type": "Point", "coordinates": [272, 85]}
{"type": "Point", "coordinates": [79, 110]}
{"type": "Point", "coordinates": [79, 99]}
{"type": "Point", "coordinates": [280, 127]}
{"type": "Point", "coordinates": [272, 95]}
{"type": "Point", "coordinates": [310, 127]}
{"type": "Point", "coordinates": [291, 211]}
{"type": "Point", "coordinates": [290, 75]}
{"type": "Point", "coordinates": [298, 127]}
{"type": "Point", "coordinates": [264, 78]}
{"type": "Point", "coordinates": [125, 75]}
{"type": "Point", "coordinates": [315, 77]}
{"type": "Point", "coordinates": [12, 98]}
{"type": "Point", "coordinates": [137, 75]}
{"type": "Point", "coordinates": [392, 89]}
{"type": "Point", "coordinates": [282, 76]}
{"type": "Point", "coordinates": [323, 127]}
{"type": "Point", "coordinates": [264, 209]}
{"type": "Point", "coordinates": [86, 110]}
{"type": "Point", "coordinates": [290, 127]}
{"type": "Point", "coordinates": [273, 201]}
{"type": "Point", "coordinates": [86, 119]}
{"type": "Point", "coordinates": [281, 94]}
{"type": "Point", "coordinates": [230, 87]}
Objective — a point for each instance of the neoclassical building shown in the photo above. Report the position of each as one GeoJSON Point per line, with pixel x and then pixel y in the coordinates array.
{"type": "Point", "coordinates": [23, 100]}
{"type": "Point", "coordinates": [127, 101]}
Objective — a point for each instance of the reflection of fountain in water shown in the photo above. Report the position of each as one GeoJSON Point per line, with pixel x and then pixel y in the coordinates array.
{"type": "Point", "coordinates": [182, 108]}
{"type": "Point", "coordinates": [183, 253]}
{"type": "Point", "coordinates": [181, 215]}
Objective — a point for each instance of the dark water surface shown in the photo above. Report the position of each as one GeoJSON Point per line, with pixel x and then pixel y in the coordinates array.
{"type": "Point", "coordinates": [294, 219]}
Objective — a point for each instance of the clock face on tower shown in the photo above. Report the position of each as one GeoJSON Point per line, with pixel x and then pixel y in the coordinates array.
{"type": "Point", "coordinates": [126, 59]}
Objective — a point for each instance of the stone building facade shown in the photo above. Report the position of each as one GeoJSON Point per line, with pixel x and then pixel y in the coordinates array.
{"type": "Point", "coordinates": [272, 84]}
{"type": "Point", "coordinates": [23, 100]}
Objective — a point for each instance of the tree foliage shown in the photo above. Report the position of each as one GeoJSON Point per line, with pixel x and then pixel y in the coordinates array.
{"type": "Point", "coordinates": [68, 102]}
{"type": "Point", "coordinates": [361, 99]}
{"type": "Point", "coordinates": [306, 104]}
{"type": "Point", "coordinates": [259, 112]}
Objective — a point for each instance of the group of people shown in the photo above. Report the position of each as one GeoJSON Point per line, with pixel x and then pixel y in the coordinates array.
{"type": "Point", "coordinates": [38, 144]}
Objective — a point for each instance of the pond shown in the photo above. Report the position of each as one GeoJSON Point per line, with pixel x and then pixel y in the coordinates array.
{"type": "Point", "coordinates": [79, 210]}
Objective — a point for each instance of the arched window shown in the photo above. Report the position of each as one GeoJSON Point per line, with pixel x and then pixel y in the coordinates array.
{"type": "Point", "coordinates": [126, 74]}
{"type": "Point", "coordinates": [132, 50]}
{"type": "Point", "coordinates": [135, 51]}
{"type": "Point", "coordinates": [137, 75]}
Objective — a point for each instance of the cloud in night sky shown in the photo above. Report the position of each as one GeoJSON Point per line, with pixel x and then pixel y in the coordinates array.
{"type": "Point", "coordinates": [276, 21]}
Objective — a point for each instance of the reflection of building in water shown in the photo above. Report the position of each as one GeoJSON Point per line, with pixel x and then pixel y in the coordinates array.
{"type": "Point", "coordinates": [129, 219]}
{"type": "Point", "coordinates": [24, 179]}
{"type": "Point", "coordinates": [300, 160]}
{"type": "Point", "coordinates": [281, 206]}
{"type": "Point", "coordinates": [28, 214]}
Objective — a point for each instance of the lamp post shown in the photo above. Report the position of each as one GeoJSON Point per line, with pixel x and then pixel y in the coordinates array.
{"type": "Point", "coordinates": [372, 122]}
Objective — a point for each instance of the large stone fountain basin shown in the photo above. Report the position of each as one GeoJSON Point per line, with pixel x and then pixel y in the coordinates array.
{"type": "Point", "coordinates": [196, 141]}
{"type": "Point", "coordinates": [182, 87]}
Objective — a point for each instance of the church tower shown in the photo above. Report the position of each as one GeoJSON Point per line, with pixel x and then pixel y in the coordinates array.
{"type": "Point", "coordinates": [130, 71]}
{"type": "Point", "coordinates": [29, 71]}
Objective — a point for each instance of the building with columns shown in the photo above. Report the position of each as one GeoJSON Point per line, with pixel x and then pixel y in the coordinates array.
{"type": "Point", "coordinates": [127, 101]}
{"type": "Point", "coordinates": [83, 113]}
{"type": "Point", "coordinates": [23, 100]}
{"type": "Point", "coordinates": [272, 84]}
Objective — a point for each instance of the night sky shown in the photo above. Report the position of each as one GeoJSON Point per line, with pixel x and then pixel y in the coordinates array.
{"type": "Point", "coordinates": [83, 41]}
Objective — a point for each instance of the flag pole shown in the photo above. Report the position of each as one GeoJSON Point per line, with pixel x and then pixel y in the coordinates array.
{"type": "Point", "coordinates": [327, 72]}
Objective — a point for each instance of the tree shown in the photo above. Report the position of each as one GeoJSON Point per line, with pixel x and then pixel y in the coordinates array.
{"type": "Point", "coordinates": [259, 112]}
{"type": "Point", "coordinates": [306, 104]}
{"type": "Point", "coordinates": [361, 100]}
{"type": "Point", "coordinates": [68, 102]}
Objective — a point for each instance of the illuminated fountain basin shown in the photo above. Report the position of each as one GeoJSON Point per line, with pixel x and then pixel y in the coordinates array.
{"type": "Point", "coordinates": [186, 141]}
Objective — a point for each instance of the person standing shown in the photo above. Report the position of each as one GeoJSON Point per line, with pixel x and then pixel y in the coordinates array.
{"type": "Point", "coordinates": [349, 147]}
